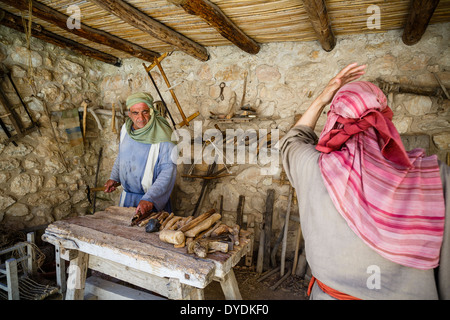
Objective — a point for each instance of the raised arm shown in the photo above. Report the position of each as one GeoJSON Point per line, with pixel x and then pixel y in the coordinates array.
{"type": "Point", "coordinates": [346, 75]}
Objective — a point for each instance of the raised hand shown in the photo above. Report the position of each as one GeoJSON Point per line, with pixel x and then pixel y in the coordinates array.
{"type": "Point", "coordinates": [346, 75]}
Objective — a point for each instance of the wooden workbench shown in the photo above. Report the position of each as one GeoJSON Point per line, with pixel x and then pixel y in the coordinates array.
{"type": "Point", "coordinates": [106, 242]}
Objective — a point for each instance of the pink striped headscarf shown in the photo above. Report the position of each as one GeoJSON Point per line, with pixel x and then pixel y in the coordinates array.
{"type": "Point", "coordinates": [392, 199]}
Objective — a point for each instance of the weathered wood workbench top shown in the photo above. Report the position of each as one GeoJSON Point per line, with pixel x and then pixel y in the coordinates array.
{"type": "Point", "coordinates": [106, 242]}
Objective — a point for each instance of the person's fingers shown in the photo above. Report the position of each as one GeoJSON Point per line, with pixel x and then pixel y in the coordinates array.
{"type": "Point", "coordinates": [353, 70]}
{"type": "Point", "coordinates": [346, 69]}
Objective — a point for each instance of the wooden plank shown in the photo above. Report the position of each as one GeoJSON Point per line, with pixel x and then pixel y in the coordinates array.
{"type": "Point", "coordinates": [143, 22]}
{"type": "Point", "coordinates": [214, 16]}
{"type": "Point", "coordinates": [268, 227]}
{"type": "Point", "coordinates": [286, 227]}
{"type": "Point", "coordinates": [419, 16]}
{"type": "Point", "coordinates": [107, 290]}
{"type": "Point", "coordinates": [164, 286]}
{"type": "Point", "coordinates": [251, 228]}
{"type": "Point", "coordinates": [318, 15]}
{"type": "Point", "coordinates": [14, 22]}
{"type": "Point", "coordinates": [59, 19]}
{"type": "Point", "coordinates": [240, 211]}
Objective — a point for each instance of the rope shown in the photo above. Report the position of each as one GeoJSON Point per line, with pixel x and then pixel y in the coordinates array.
{"type": "Point", "coordinates": [27, 29]}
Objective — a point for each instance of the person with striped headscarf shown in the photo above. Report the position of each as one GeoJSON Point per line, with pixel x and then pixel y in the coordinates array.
{"type": "Point", "coordinates": [144, 166]}
{"type": "Point", "coordinates": [374, 216]}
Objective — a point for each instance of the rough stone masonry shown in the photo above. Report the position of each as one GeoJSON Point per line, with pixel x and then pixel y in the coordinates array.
{"type": "Point", "coordinates": [37, 186]}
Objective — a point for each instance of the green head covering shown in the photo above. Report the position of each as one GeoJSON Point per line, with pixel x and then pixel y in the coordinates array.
{"type": "Point", "coordinates": [156, 130]}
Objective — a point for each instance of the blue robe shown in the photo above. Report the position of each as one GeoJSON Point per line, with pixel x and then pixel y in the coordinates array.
{"type": "Point", "coordinates": [129, 169]}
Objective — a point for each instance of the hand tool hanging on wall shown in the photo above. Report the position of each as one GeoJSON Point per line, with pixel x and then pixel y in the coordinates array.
{"type": "Point", "coordinates": [162, 99]}
{"type": "Point", "coordinates": [205, 183]}
{"type": "Point", "coordinates": [157, 63]}
{"type": "Point", "coordinates": [12, 115]}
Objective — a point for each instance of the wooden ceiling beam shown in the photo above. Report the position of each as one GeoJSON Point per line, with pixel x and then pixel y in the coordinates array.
{"type": "Point", "coordinates": [214, 16]}
{"type": "Point", "coordinates": [15, 22]}
{"type": "Point", "coordinates": [420, 13]}
{"type": "Point", "coordinates": [143, 22]}
{"type": "Point", "coordinates": [318, 15]}
{"type": "Point", "coordinates": [59, 19]}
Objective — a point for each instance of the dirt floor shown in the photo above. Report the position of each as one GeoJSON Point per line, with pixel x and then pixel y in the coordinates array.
{"type": "Point", "coordinates": [251, 288]}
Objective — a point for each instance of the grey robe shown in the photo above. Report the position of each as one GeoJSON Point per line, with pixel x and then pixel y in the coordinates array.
{"type": "Point", "coordinates": [336, 256]}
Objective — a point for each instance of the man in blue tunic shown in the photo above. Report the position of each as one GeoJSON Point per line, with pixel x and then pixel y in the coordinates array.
{"type": "Point", "coordinates": [144, 166]}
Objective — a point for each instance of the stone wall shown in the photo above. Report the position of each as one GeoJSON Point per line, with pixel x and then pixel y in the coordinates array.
{"type": "Point", "coordinates": [283, 79]}
{"type": "Point", "coordinates": [41, 180]}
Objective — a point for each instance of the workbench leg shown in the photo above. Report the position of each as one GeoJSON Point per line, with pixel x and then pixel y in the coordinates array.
{"type": "Point", "coordinates": [60, 271]}
{"type": "Point", "coordinates": [197, 294]}
{"type": "Point", "coordinates": [77, 277]}
{"type": "Point", "coordinates": [230, 287]}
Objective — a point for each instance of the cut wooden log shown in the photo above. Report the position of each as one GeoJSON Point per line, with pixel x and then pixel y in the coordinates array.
{"type": "Point", "coordinates": [197, 220]}
{"type": "Point", "coordinates": [210, 231]}
{"type": "Point", "coordinates": [167, 220]}
{"type": "Point", "coordinates": [172, 222]}
{"type": "Point", "coordinates": [204, 246]}
{"type": "Point", "coordinates": [175, 237]}
{"type": "Point", "coordinates": [221, 229]}
{"type": "Point", "coordinates": [207, 223]}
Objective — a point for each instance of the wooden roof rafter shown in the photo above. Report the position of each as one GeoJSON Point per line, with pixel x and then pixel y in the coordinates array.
{"type": "Point", "coordinates": [143, 22]}
{"type": "Point", "coordinates": [321, 23]}
{"type": "Point", "coordinates": [419, 16]}
{"type": "Point", "coordinates": [59, 19]}
{"type": "Point", "coordinates": [15, 22]}
{"type": "Point", "coordinates": [215, 17]}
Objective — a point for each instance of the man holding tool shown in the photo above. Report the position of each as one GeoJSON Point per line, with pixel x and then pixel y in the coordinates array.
{"type": "Point", "coordinates": [144, 165]}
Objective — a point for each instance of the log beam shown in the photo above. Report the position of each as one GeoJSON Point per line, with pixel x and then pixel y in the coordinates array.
{"type": "Point", "coordinates": [59, 19]}
{"type": "Point", "coordinates": [420, 13]}
{"type": "Point", "coordinates": [143, 22]}
{"type": "Point", "coordinates": [214, 16]}
{"type": "Point", "coordinates": [14, 22]}
{"type": "Point", "coordinates": [318, 15]}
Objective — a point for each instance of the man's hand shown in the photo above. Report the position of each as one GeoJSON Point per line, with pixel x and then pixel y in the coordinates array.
{"type": "Point", "coordinates": [346, 75]}
{"type": "Point", "coordinates": [144, 206]}
{"type": "Point", "coordinates": [111, 185]}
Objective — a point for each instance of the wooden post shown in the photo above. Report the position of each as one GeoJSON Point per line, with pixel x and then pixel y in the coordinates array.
{"type": "Point", "coordinates": [31, 266]}
{"type": "Point", "coordinates": [419, 16]}
{"type": "Point", "coordinates": [12, 279]}
{"type": "Point", "coordinates": [268, 227]}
